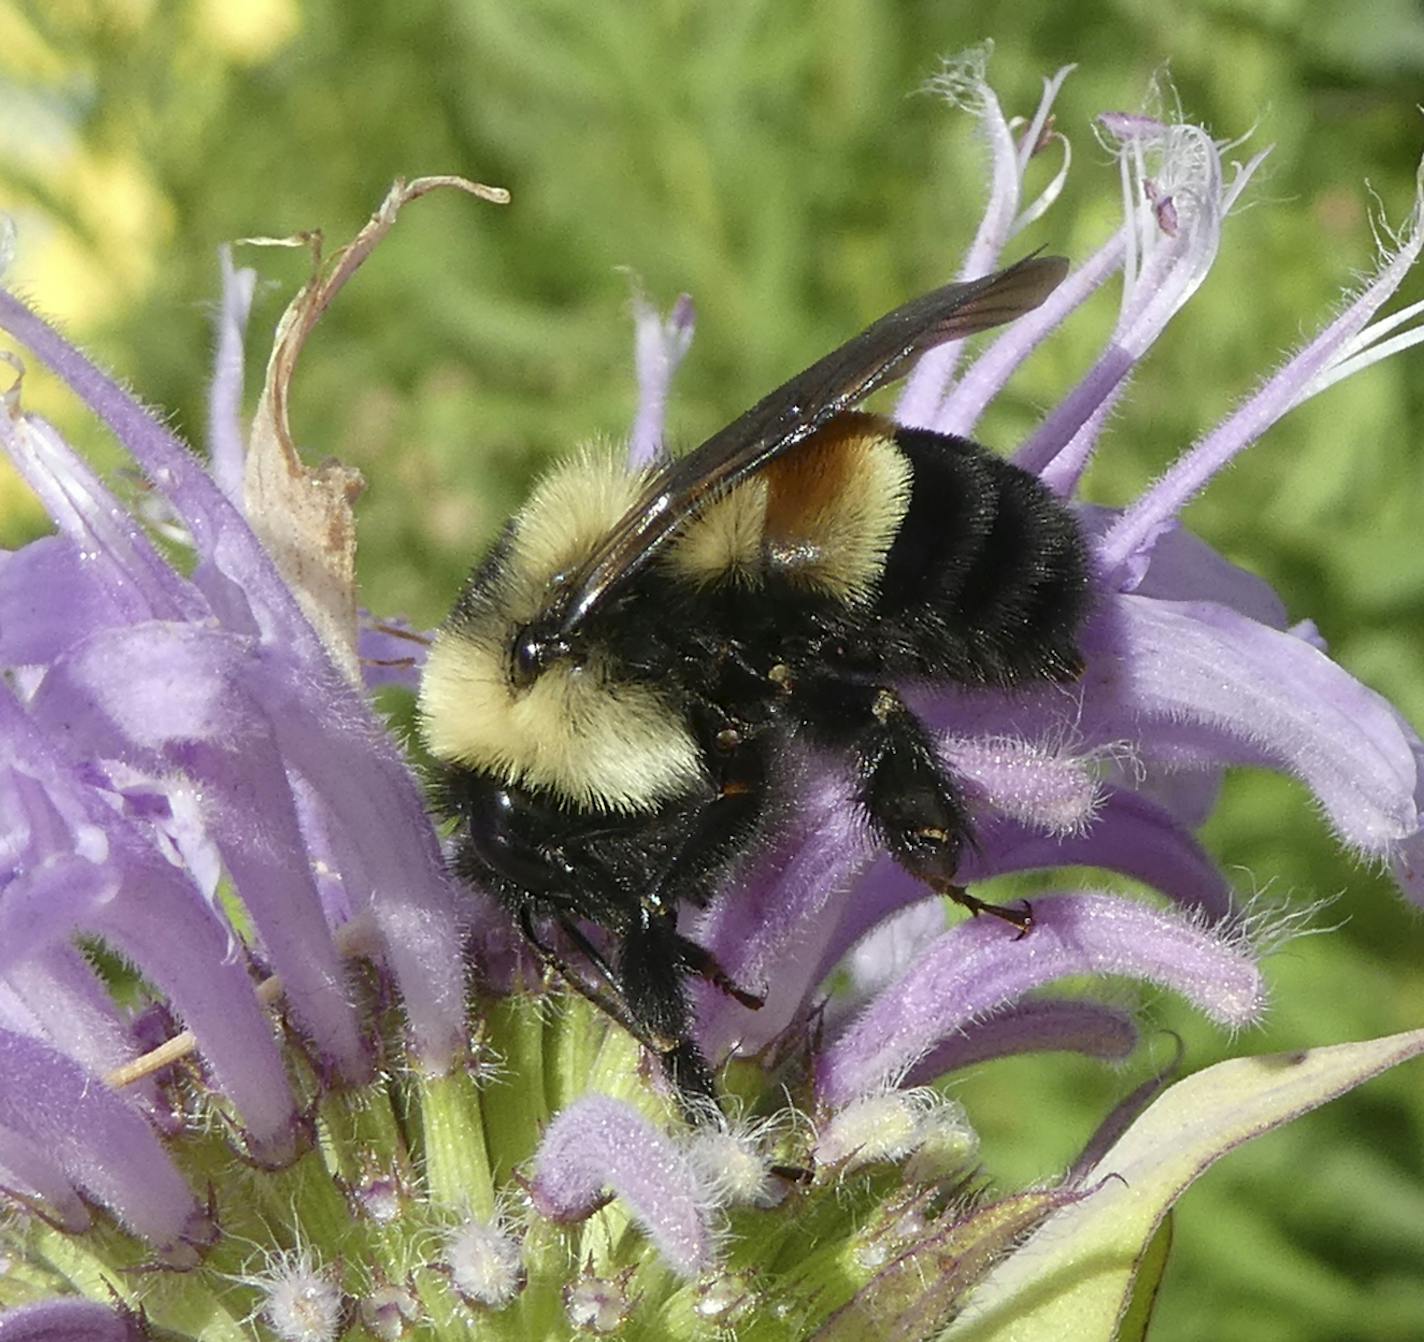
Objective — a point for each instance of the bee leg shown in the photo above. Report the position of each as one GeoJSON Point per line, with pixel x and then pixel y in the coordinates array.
{"type": "Point", "coordinates": [1021, 917]}
{"type": "Point", "coordinates": [607, 996]}
{"type": "Point", "coordinates": [910, 797]}
{"type": "Point", "coordinates": [651, 970]}
{"type": "Point", "coordinates": [703, 963]}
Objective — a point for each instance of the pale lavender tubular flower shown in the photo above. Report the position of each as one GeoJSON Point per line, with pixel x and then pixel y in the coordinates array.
{"type": "Point", "coordinates": [160, 729]}
{"type": "Point", "coordinates": [1190, 668]}
{"type": "Point", "coordinates": [194, 779]}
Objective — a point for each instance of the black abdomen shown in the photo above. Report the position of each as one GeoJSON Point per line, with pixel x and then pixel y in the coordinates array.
{"type": "Point", "coordinates": [987, 579]}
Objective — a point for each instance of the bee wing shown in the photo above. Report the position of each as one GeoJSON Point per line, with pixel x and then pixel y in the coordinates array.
{"type": "Point", "coordinates": [786, 417]}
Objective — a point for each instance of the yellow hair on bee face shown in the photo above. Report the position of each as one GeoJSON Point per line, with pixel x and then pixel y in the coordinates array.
{"type": "Point", "coordinates": [576, 732]}
{"type": "Point", "coordinates": [579, 732]}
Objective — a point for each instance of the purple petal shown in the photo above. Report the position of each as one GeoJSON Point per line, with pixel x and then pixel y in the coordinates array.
{"type": "Point", "coordinates": [122, 560]}
{"type": "Point", "coordinates": [160, 922]}
{"type": "Point", "coordinates": [1182, 567]}
{"type": "Point", "coordinates": [70, 1320]}
{"type": "Point", "coordinates": [178, 704]}
{"type": "Point", "coordinates": [49, 598]}
{"type": "Point", "coordinates": [1130, 835]}
{"type": "Point", "coordinates": [770, 929]}
{"type": "Point", "coordinates": [979, 965]}
{"type": "Point", "coordinates": [386, 850]}
{"type": "Point", "coordinates": [1202, 665]}
{"type": "Point", "coordinates": [100, 1142]}
{"type": "Point", "coordinates": [226, 440]}
{"type": "Point", "coordinates": [660, 346]}
{"type": "Point", "coordinates": [962, 83]}
{"type": "Point", "coordinates": [30, 1173]}
{"type": "Point", "coordinates": [894, 943]}
{"type": "Point", "coordinates": [1071, 429]}
{"type": "Point", "coordinates": [73, 1010]}
{"type": "Point", "coordinates": [600, 1143]}
{"type": "Point", "coordinates": [1142, 521]}
{"type": "Point", "coordinates": [1042, 786]}
{"type": "Point", "coordinates": [369, 782]}
{"type": "Point", "coordinates": [56, 869]}
{"type": "Point", "coordinates": [986, 377]}
{"type": "Point", "coordinates": [1163, 268]}
{"type": "Point", "coordinates": [390, 652]}
{"type": "Point", "coordinates": [232, 556]}
{"type": "Point", "coordinates": [1035, 1025]}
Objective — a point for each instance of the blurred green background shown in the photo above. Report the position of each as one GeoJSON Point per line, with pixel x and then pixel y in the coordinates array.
{"type": "Point", "coordinates": [774, 161]}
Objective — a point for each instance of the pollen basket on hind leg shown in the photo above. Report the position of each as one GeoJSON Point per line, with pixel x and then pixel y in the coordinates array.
{"type": "Point", "coordinates": [582, 732]}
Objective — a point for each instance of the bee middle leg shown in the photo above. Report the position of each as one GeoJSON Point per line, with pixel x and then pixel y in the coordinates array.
{"type": "Point", "coordinates": [909, 796]}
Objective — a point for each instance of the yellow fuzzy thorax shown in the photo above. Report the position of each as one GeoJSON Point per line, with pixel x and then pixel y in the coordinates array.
{"type": "Point", "coordinates": [823, 519]}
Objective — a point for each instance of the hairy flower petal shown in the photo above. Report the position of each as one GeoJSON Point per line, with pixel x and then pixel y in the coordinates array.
{"type": "Point", "coordinates": [50, 596]}
{"type": "Point", "coordinates": [120, 556]}
{"type": "Point", "coordinates": [962, 82]}
{"type": "Point", "coordinates": [659, 347]}
{"type": "Point", "coordinates": [769, 931]}
{"type": "Point", "coordinates": [1130, 834]}
{"type": "Point", "coordinates": [979, 965]}
{"type": "Point", "coordinates": [1034, 1025]}
{"type": "Point", "coordinates": [1042, 786]}
{"type": "Point", "coordinates": [100, 1142]}
{"type": "Point", "coordinates": [600, 1143]}
{"type": "Point", "coordinates": [31, 1173]}
{"type": "Point", "coordinates": [73, 1010]}
{"type": "Point", "coordinates": [226, 441]}
{"type": "Point", "coordinates": [154, 916]}
{"type": "Point", "coordinates": [1304, 374]}
{"type": "Point", "coordinates": [235, 561]}
{"type": "Point", "coordinates": [69, 1320]}
{"type": "Point", "coordinates": [1261, 695]}
{"type": "Point", "coordinates": [986, 377]}
{"type": "Point", "coordinates": [179, 704]}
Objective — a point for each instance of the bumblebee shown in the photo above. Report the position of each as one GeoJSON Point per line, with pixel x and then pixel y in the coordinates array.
{"type": "Point", "coordinates": [611, 702]}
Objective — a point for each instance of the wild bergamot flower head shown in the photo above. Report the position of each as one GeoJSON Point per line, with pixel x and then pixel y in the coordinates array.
{"type": "Point", "coordinates": [332, 1094]}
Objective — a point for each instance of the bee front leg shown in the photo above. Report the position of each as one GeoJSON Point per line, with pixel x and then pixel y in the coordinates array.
{"type": "Point", "coordinates": [606, 994]}
{"type": "Point", "coordinates": [911, 799]}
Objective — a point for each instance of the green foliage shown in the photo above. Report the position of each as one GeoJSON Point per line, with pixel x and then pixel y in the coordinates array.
{"type": "Point", "coordinates": [771, 160]}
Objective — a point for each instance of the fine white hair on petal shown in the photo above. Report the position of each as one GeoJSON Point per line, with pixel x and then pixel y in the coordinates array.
{"type": "Point", "coordinates": [872, 1129]}
{"type": "Point", "coordinates": [599, 1143]}
{"type": "Point", "coordinates": [1341, 348]}
{"type": "Point", "coordinates": [975, 968]}
{"type": "Point", "coordinates": [1175, 198]}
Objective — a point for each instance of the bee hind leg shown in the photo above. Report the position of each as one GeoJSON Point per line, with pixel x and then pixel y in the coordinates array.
{"type": "Point", "coordinates": [1021, 917]}
{"type": "Point", "coordinates": [910, 797]}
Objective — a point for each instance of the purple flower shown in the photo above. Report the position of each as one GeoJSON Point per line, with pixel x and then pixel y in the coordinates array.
{"type": "Point", "coordinates": [351, 1095]}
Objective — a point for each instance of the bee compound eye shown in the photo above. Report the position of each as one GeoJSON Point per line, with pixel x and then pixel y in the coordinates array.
{"type": "Point", "coordinates": [526, 659]}
{"type": "Point", "coordinates": [532, 653]}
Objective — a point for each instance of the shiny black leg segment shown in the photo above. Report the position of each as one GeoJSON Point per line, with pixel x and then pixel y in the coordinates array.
{"type": "Point", "coordinates": [907, 793]}
{"type": "Point", "coordinates": [910, 797]}
{"type": "Point", "coordinates": [1021, 917]}
{"type": "Point", "coordinates": [609, 999]}
{"type": "Point", "coordinates": [652, 964]}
